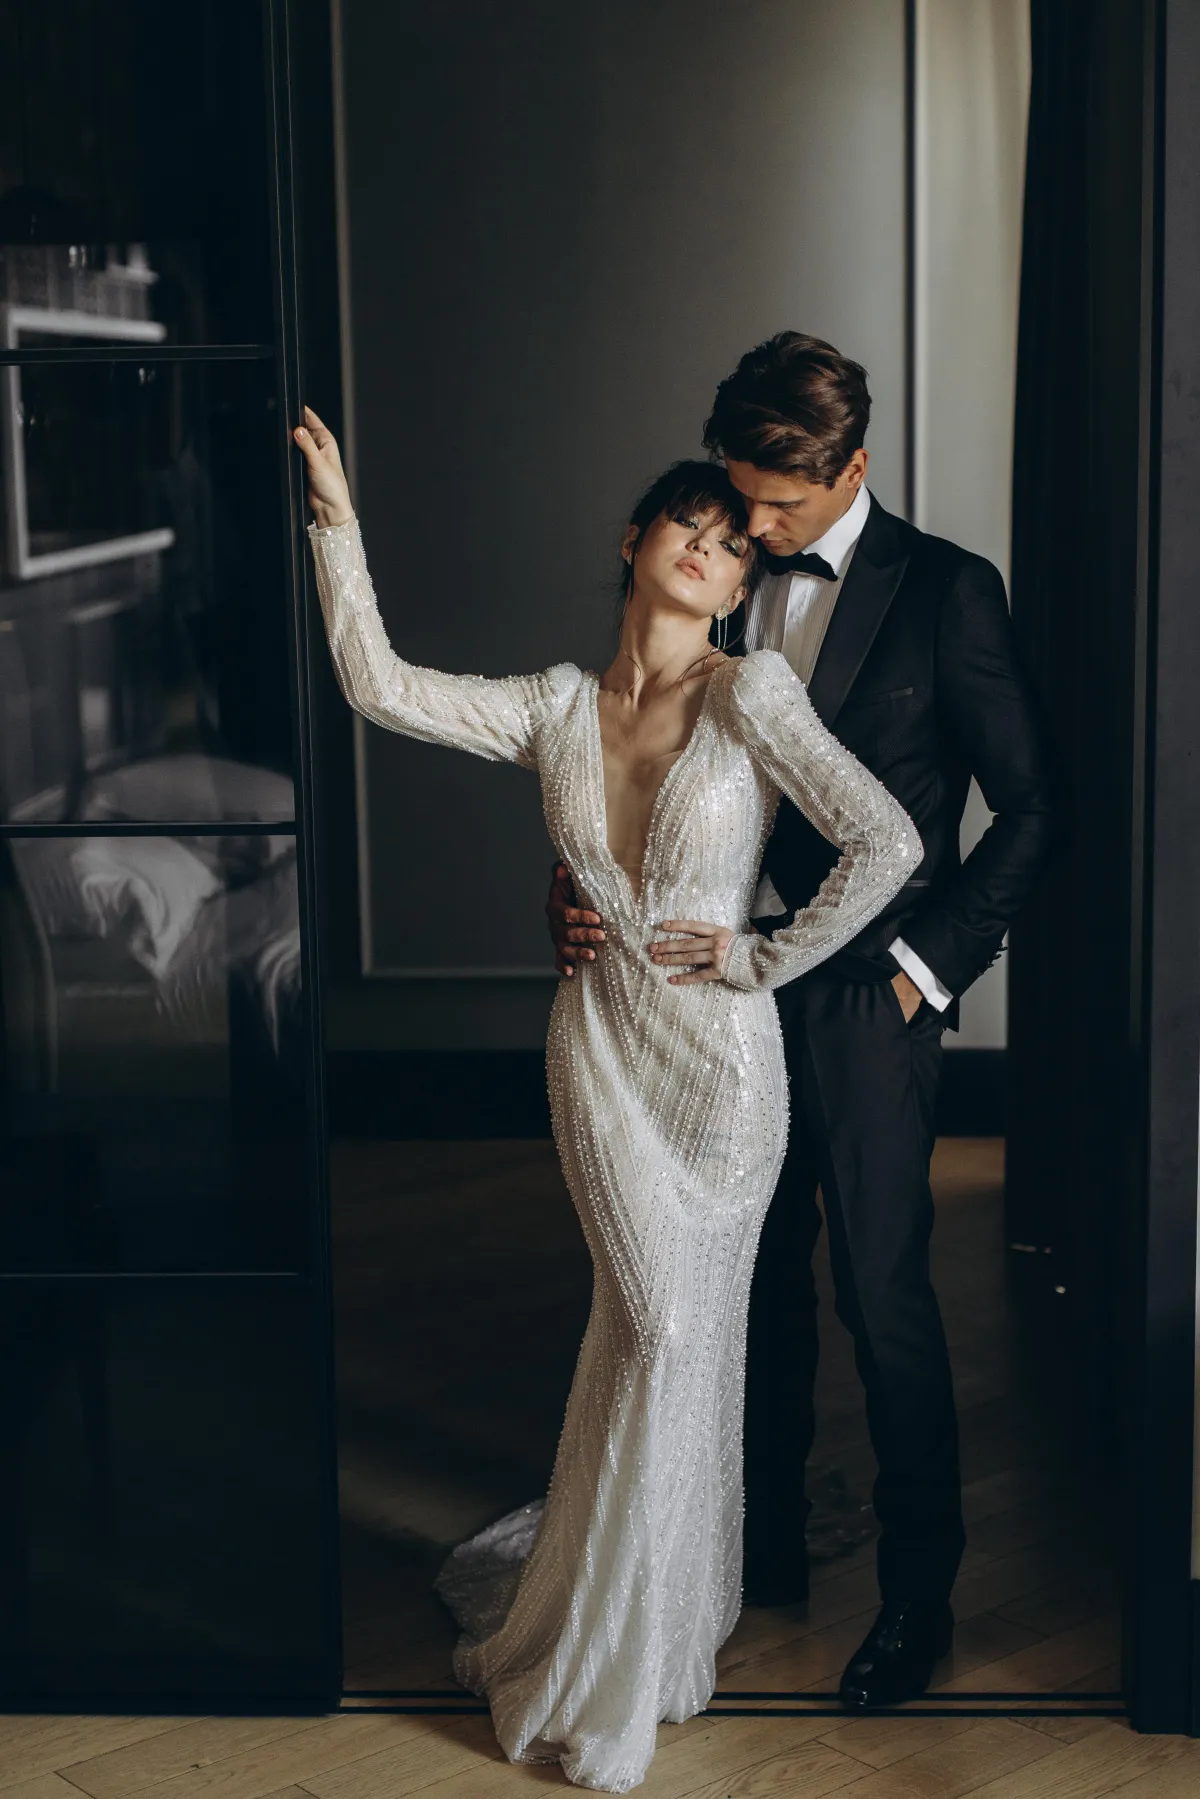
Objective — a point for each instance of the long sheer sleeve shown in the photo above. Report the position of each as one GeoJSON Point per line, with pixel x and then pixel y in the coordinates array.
{"type": "Point", "coordinates": [497, 719]}
{"type": "Point", "coordinates": [880, 845]}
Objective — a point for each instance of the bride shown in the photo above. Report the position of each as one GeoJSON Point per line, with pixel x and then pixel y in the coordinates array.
{"type": "Point", "coordinates": [660, 779]}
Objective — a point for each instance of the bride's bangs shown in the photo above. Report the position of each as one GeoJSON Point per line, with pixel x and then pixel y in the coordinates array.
{"type": "Point", "coordinates": [692, 487]}
{"type": "Point", "coordinates": [704, 497]}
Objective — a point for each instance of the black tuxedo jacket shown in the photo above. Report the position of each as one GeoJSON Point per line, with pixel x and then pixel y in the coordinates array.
{"type": "Point", "coordinates": [918, 676]}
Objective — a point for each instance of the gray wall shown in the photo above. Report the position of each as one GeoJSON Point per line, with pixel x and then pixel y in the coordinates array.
{"type": "Point", "coordinates": [563, 226]}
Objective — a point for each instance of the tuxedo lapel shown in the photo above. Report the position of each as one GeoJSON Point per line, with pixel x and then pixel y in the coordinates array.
{"type": "Point", "coordinates": [870, 586]}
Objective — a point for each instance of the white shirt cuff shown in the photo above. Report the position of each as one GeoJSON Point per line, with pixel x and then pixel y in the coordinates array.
{"type": "Point", "coordinates": [920, 976]}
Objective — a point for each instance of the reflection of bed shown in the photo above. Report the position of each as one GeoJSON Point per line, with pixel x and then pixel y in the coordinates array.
{"type": "Point", "coordinates": [123, 955]}
{"type": "Point", "coordinates": [146, 991]}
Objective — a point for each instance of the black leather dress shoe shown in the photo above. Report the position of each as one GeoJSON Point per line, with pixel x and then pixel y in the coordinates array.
{"type": "Point", "coordinates": [897, 1658]}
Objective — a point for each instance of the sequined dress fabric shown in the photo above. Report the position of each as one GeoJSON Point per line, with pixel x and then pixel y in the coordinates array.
{"type": "Point", "coordinates": [590, 1621]}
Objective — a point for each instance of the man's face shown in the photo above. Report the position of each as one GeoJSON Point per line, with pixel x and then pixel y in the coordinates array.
{"type": "Point", "coordinates": [787, 513]}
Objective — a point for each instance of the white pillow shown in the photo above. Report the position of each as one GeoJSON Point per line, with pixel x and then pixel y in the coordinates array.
{"type": "Point", "coordinates": [202, 789]}
{"type": "Point", "coordinates": [144, 890]}
{"type": "Point", "coordinates": [193, 787]}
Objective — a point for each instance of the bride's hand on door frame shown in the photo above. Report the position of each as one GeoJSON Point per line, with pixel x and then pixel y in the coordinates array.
{"type": "Point", "coordinates": [328, 493]}
{"type": "Point", "coordinates": [704, 953]}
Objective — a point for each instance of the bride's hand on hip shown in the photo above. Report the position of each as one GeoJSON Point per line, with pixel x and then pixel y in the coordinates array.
{"type": "Point", "coordinates": [701, 948]}
{"type": "Point", "coordinates": [328, 494]}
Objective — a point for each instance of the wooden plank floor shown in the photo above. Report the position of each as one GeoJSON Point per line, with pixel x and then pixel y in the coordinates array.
{"type": "Point", "coordinates": [352, 1756]}
{"type": "Point", "coordinates": [462, 1293]}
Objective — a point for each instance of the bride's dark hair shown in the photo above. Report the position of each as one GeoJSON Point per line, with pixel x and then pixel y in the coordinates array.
{"type": "Point", "coordinates": [690, 488]}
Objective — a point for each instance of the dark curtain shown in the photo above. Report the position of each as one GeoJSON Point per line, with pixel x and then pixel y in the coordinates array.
{"type": "Point", "coordinates": [1072, 1132]}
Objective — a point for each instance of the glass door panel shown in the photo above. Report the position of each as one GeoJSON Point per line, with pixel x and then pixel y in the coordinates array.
{"type": "Point", "coordinates": [155, 1036]}
{"type": "Point", "coordinates": [133, 165]}
{"type": "Point", "coordinates": [160, 1487]}
{"type": "Point", "coordinates": [168, 1516]}
{"type": "Point", "coordinates": [144, 666]}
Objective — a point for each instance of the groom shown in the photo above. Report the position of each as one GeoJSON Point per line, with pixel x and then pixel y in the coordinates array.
{"type": "Point", "coordinates": [905, 644]}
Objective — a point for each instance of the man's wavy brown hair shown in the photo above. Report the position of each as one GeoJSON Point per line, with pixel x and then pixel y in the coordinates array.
{"type": "Point", "coordinates": [793, 406]}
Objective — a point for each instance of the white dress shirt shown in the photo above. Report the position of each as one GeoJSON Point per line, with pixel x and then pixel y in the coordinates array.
{"type": "Point", "coordinates": [791, 613]}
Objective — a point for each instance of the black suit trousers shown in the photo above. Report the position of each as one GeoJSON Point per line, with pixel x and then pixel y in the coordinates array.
{"type": "Point", "coordinates": [863, 1090]}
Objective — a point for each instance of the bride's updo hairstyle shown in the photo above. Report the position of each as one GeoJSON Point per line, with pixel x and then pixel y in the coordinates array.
{"type": "Point", "coordinates": [688, 490]}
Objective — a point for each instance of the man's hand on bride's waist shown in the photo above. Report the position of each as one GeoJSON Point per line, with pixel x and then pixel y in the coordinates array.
{"type": "Point", "coordinates": [574, 931]}
{"type": "Point", "coordinates": [701, 948]}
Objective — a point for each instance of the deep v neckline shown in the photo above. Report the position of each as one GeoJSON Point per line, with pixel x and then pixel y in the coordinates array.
{"type": "Point", "coordinates": [656, 808]}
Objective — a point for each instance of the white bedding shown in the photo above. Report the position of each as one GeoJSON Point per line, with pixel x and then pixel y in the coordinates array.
{"type": "Point", "coordinates": [145, 891]}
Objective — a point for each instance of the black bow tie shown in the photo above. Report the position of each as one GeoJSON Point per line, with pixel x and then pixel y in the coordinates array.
{"type": "Point", "coordinates": [802, 564]}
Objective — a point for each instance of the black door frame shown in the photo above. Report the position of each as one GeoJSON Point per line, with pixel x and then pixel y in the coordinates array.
{"type": "Point", "coordinates": [1104, 1016]}
{"type": "Point", "coordinates": [1162, 1654]}
{"type": "Point", "coordinates": [1161, 1639]}
{"type": "Point", "coordinates": [298, 39]}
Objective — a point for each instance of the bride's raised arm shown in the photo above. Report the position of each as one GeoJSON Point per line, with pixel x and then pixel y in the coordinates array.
{"type": "Point", "coordinates": [880, 845]}
{"type": "Point", "coordinates": [498, 719]}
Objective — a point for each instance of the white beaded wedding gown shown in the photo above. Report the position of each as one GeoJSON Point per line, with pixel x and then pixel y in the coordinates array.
{"type": "Point", "coordinates": [670, 1114]}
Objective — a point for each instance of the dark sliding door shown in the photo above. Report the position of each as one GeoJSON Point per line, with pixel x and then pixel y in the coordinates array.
{"type": "Point", "coordinates": [167, 1495]}
{"type": "Point", "coordinates": [1104, 991]}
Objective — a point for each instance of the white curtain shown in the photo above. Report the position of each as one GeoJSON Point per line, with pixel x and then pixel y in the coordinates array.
{"type": "Point", "coordinates": [972, 102]}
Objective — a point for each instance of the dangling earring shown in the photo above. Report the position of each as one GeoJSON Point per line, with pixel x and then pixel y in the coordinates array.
{"type": "Point", "coordinates": [722, 618]}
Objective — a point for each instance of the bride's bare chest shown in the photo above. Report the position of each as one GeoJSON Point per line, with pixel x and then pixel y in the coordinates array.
{"type": "Point", "coordinates": [641, 805]}
{"type": "Point", "coordinates": [639, 746]}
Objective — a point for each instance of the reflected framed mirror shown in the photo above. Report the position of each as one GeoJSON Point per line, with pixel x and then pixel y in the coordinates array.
{"type": "Point", "coordinates": [99, 488]}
